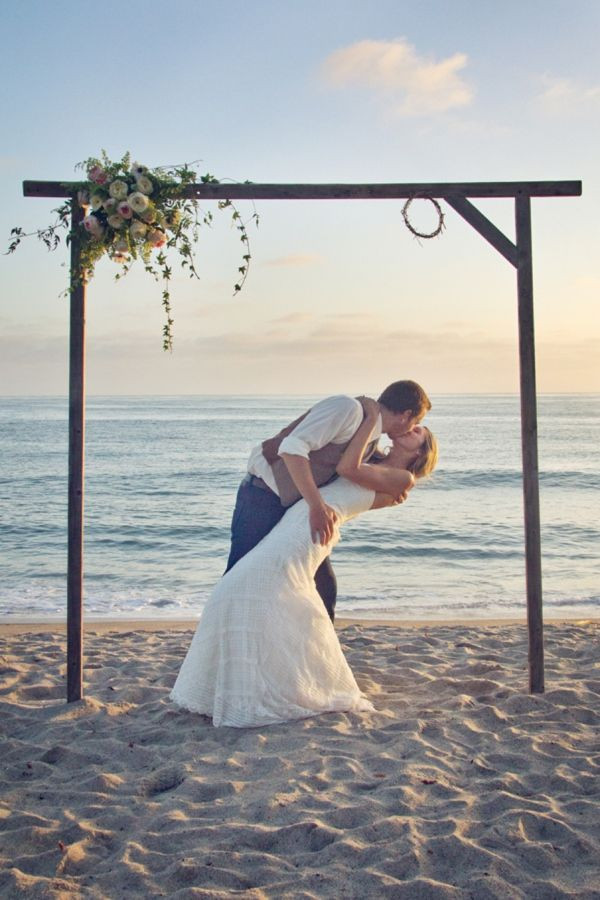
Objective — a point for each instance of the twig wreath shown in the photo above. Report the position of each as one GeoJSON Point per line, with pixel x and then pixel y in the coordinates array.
{"type": "Point", "coordinates": [134, 212]}
{"type": "Point", "coordinates": [409, 225]}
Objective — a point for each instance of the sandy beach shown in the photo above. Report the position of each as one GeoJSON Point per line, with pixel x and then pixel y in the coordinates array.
{"type": "Point", "coordinates": [461, 784]}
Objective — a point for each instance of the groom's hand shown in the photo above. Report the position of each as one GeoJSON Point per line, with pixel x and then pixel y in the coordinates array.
{"type": "Point", "coordinates": [322, 519]}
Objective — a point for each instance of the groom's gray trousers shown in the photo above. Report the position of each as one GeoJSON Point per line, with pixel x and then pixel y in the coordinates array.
{"type": "Point", "coordinates": [257, 511]}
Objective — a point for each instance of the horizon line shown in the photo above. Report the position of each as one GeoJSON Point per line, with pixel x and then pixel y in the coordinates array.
{"type": "Point", "coordinates": [65, 396]}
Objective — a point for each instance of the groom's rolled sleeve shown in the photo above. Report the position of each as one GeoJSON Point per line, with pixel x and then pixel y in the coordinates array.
{"type": "Point", "coordinates": [333, 420]}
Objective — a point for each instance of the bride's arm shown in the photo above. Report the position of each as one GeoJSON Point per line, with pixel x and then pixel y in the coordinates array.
{"type": "Point", "coordinates": [381, 478]}
{"type": "Point", "coordinates": [353, 454]}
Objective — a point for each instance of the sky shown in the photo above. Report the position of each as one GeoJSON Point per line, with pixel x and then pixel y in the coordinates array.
{"type": "Point", "coordinates": [340, 296]}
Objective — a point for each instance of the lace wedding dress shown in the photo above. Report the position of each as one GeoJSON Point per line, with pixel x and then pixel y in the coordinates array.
{"type": "Point", "coordinates": [265, 650]}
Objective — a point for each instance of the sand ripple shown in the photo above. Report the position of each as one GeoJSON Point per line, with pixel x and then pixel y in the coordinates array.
{"type": "Point", "coordinates": [461, 785]}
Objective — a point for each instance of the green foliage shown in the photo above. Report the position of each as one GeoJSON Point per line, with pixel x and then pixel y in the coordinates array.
{"type": "Point", "coordinates": [164, 220]}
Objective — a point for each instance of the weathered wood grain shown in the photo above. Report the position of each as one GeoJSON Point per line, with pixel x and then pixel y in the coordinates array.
{"type": "Point", "coordinates": [249, 191]}
{"type": "Point", "coordinates": [531, 498]}
{"type": "Point", "coordinates": [76, 469]}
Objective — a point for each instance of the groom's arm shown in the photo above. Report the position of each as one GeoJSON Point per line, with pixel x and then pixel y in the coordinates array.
{"type": "Point", "coordinates": [321, 517]}
{"type": "Point", "coordinates": [333, 420]}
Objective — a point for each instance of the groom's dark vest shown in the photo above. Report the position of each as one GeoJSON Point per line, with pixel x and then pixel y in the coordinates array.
{"type": "Point", "coordinates": [323, 462]}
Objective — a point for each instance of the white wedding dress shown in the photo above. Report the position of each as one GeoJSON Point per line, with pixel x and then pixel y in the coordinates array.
{"type": "Point", "coordinates": [265, 650]}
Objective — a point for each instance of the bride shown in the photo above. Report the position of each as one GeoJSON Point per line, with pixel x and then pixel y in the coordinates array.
{"type": "Point", "coordinates": [265, 650]}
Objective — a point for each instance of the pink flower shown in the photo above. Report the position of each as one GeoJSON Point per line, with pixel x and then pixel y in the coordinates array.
{"type": "Point", "coordinates": [97, 174]}
{"type": "Point", "coordinates": [157, 238]}
{"type": "Point", "coordinates": [125, 210]}
{"type": "Point", "coordinates": [93, 226]}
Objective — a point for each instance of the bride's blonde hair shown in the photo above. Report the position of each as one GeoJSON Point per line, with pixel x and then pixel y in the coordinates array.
{"type": "Point", "coordinates": [427, 459]}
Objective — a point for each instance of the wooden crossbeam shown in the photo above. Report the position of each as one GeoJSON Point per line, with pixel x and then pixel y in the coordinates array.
{"type": "Point", "coordinates": [250, 191]}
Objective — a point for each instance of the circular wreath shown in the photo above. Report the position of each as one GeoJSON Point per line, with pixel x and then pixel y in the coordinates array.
{"type": "Point", "coordinates": [411, 227]}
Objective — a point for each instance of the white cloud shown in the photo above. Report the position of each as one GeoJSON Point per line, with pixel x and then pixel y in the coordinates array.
{"type": "Point", "coordinates": [319, 355]}
{"type": "Point", "coordinates": [565, 95]}
{"type": "Point", "coordinates": [414, 85]}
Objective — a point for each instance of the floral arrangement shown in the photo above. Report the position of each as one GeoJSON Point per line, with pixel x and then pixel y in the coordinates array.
{"type": "Point", "coordinates": [133, 212]}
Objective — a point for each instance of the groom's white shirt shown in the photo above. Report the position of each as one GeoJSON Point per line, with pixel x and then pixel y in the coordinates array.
{"type": "Point", "coordinates": [331, 421]}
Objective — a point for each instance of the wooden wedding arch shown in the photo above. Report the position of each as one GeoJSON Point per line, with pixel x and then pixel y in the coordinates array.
{"type": "Point", "coordinates": [455, 195]}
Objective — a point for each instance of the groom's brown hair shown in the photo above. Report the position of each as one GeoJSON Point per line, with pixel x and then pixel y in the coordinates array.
{"type": "Point", "coordinates": [405, 395]}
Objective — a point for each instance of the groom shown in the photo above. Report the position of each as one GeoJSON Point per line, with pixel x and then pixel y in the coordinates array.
{"type": "Point", "coordinates": [304, 456]}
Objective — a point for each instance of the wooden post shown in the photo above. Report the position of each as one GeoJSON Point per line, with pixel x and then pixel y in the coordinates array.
{"type": "Point", "coordinates": [76, 464]}
{"type": "Point", "coordinates": [533, 560]}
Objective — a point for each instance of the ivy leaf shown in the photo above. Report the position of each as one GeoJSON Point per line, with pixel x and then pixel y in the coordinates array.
{"type": "Point", "coordinates": [169, 185]}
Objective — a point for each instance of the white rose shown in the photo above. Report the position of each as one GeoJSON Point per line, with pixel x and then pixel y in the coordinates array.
{"type": "Point", "coordinates": [144, 184]}
{"type": "Point", "coordinates": [137, 230]}
{"type": "Point", "coordinates": [149, 215]}
{"type": "Point", "coordinates": [116, 222]}
{"type": "Point", "coordinates": [121, 246]}
{"type": "Point", "coordinates": [138, 202]}
{"type": "Point", "coordinates": [110, 205]}
{"type": "Point", "coordinates": [118, 189]}
{"type": "Point", "coordinates": [96, 201]}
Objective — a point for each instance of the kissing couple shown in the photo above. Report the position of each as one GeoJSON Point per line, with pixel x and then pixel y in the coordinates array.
{"type": "Point", "coordinates": [265, 649]}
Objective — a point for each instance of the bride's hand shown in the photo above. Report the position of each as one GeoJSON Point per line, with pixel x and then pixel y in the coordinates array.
{"type": "Point", "coordinates": [371, 407]}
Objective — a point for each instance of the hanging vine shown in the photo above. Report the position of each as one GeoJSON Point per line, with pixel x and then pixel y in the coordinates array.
{"type": "Point", "coordinates": [133, 212]}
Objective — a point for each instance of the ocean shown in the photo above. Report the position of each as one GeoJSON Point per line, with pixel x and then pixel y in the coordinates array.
{"type": "Point", "coordinates": [162, 474]}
